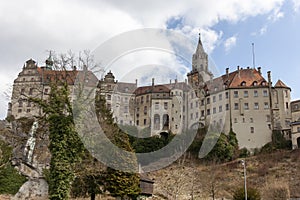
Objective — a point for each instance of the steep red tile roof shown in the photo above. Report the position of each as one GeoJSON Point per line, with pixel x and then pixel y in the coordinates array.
{"type": "Point", "coordinates": [49, 76]}
{"type": "Point", "coordinates": [280, 84]}
{"type": "Point", "coordinates": [237, 79]}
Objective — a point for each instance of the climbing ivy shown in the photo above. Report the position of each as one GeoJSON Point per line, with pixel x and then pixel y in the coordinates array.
{"type": "Point", "coordinates": [65, 145]}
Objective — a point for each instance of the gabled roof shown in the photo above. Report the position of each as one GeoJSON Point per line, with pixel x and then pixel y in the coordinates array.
{"type": "Point", "coordinates": [49, 76]}
{"type": "Point", "coordinates": [281, 84]}
{"type": "Point", "coordinates": [241, 78]}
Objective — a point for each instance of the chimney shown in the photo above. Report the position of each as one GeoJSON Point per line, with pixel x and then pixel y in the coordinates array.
{"type": "Point", "coordinates": [238, 68]}
{"type": "Point", "coordinates": [152, 81]}
{"type": "Point", "coordinates": [185, 80]}
{"type": "Point", "coordinates": [259, 70]}
{"type": "Point", "coordinates": [269, 78]}
{"type": "Point", "coordinates": [248, 67]}
{"type": "Point", "coordinates": [170, 81]}
{"type": "Point", "coordinates": [227, 71]}
{"type": "Point", "coordinates": [175, 80]}
{"type": "Point", "coordinates": [136, 82]}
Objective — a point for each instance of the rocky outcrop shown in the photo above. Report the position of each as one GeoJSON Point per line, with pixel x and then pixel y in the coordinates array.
{"type": "Point", "coordinates": [31, 155]}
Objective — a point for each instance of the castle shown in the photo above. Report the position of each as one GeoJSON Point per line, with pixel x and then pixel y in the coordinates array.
{"type": "Point", "coordinates": [241, 100]}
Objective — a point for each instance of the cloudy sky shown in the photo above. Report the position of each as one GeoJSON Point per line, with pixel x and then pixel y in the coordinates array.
{"type": "Point", "coordinates": [29, 29]}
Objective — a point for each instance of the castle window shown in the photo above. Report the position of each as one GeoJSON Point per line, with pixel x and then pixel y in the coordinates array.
{"type": "Point", "coordinates": [263, 83]}
{"type": "Point", "coordinates": [226, 95]}
{"type": "Point", "coordinates": [46, 91]}
{"type": "Point", "coordinates": [145, 110]}
{"type": "Point", "coordinates": [256, 106]}
{"type": "Point", "coordinates": [125, 109]}
{"type": "Point", "coordinates": [19, 110]}
{"type": "Point", "coordinates": [227, 106]}
{"type": "Point", "coordinates": [202, 113]}
{"type": "Point", "coordinates": [235, 120]}
{"type": "Point", "coordinates": [22, 91]}
{"type": "Point", "coordinates": [197, 104]}
{"type": "Point", "coordinates": [266, 105]}
{"type": "Point", "coordinates": [197, 115]}
{"type": "Point", "coordinates": [220, 108]}
{"type": "Point", "coordinates": [145, 121]}
{"type": "Point", "coordinates": [208, 100]}
{"type": "Point", "coordinates": [251, 120]}
{"type": "Point", "coordinates": [265, 93]}
{"type": "Point", "coordinates": [137, 122]}
{"type": "Point", "coordinates": [214, 110]}
{"type": "Point", "coordinates": [246, 94]}
{"type": "Point", "coordinates": [202, 102]}
{"type": "Point", "coordinates": [156, 106]}
{"type": "Point", "coordinates": [109, 97]}
{"type": "Point", "coordinates": [236, 94]}
{"type": "Point", "coordinates": [208, 111]}
{"type": "Point", "coordinates": [165, 105]}
{"type": "Point", "coordinates": [28, 110]}
{"type": "Point", "coordinates": [268, 118]}
{"type": "Point", "coordinates": [255, 93]}
{"type": "Point", "coordinates": [246, 106]}
{"type": "Point", "coordinates": [243, 83]}
{"type": "Point", "coordinates": [286, 93]}
{"type": "Point", "coordinates": [214, 98]}
{"type": "Point", "coordinates": [32, 79]}
{"type": "Point", "coordinates": [220, 97]}
{"type": "Point", "coordinates": [287, 105]}
{"type": "Point", "coordinates": [251, 129]}
{"type": "Point", "coordinates": [191, 105]}
{"type": "Point", "coordinates": [254, 83]}
{"type": "Point", "coordinates": [236, 106]}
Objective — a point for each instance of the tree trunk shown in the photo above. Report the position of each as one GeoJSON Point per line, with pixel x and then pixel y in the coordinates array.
{"type": "Point", "coordinates": [93, 196]}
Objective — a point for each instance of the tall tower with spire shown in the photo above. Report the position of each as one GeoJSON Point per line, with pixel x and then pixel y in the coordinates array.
{"type": "Point", "coordinates": [200, 58]}
{"type": "Point", "coordinates": [200, 72]}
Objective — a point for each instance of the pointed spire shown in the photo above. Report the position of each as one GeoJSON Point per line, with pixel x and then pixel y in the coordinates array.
{"type": "Point", "coordinates": [49, 62]}
{"type": "Point", "coordinates": [199, 41]}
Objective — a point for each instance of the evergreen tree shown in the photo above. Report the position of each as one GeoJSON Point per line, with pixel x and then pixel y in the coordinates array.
{"type": "Point", "coordinates": [118, 183]}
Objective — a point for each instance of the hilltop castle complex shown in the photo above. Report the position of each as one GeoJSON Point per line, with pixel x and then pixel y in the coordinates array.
{"type": "Point", "coordinates": [241, 100]}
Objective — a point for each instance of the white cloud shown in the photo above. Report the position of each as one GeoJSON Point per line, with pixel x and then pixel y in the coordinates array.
{"type": "Point", "coordinates": [296, 4]}
{"type": "Point", "coordinates": [229, 43]}
{"type": "Point", "coordinates": [276, 15]}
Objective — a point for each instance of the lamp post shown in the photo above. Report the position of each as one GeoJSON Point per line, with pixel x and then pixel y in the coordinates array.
{"type": "Point", "coordinates": [245, 178]}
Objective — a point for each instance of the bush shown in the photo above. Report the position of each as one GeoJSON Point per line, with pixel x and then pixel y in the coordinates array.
{"type": "Point", "coordinates": [277, 191]}
{"type": "Point", "coordinates": [244, 153]}
{"type": "Point", "coordinates": [252, 194]}
{"type": "Point", "coordinates": [10, 180]}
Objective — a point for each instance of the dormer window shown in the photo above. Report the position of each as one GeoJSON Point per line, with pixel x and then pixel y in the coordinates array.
{"type": "Point", "coordinates": [243, 83]}
{"type": "Point", "coordinates": [254, 83]}
{"type": "Point", "coordinates": [263, 83]}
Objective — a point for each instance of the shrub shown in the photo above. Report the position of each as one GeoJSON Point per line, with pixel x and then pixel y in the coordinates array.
{"type": "Point", "coordinates": [252, 194]}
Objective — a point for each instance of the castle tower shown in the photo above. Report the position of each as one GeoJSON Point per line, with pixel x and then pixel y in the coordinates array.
{"type": "Point", "coordinates": [200, 58]}
{"type": "Point", "coordinates": [200, 72]}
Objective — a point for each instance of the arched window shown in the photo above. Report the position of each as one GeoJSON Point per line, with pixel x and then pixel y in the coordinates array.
{"type": "Point", "coordinates": [254, 83]}
{"type": "Point", "coordinates": [243, 83]}
{"type": "Point", "coordinates": [166, 121]}
{"type": "Point", "coordinates": [156, 122]}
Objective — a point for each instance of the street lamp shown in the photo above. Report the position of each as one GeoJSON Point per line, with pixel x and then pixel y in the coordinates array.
{"type": "Point", "coordinates": [245, 178]}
